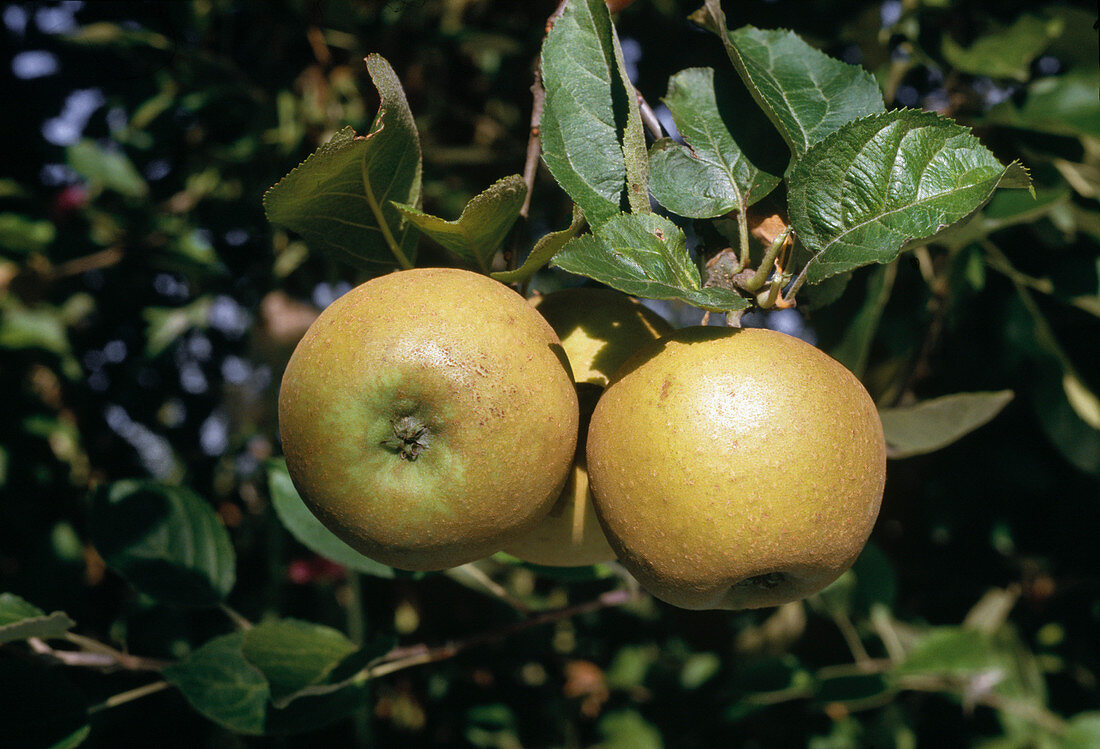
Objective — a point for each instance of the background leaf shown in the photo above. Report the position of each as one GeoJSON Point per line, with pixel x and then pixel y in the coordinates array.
{"type": "Point", "coordinates": [294, 654]}
{"type": "Point", "coordinates": [880, 182]}
{"type": "Point", "coordinates": [731, 157]}
{"type": "Point", "coordinates": [222, 684]}
{"type": "Point", "coordinates": [339, 199]}
{"type": "Point", "coordinates": [646, 256]}
{"type": "Point", "coordinates": [165, 540]}
{"type": "Point", "coordinates": [585, 110]}
{"type": "Point", "coordinates": [1004, 51]}
{"type": "Point", "coordinates": [1062, 105]}
{"type": "Point", "coordinates": [310, 532]}
{"type": "Point", "coordinates": [20, 620]}
{"type": "Point", "coordinates": [106, 169]}
{"type": "Point", "coordinates": [479, 231]}
{"type": "Point", "coordinates": [934, 424]}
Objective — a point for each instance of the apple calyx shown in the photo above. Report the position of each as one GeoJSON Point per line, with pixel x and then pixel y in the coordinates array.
{"type": "Point", "coordinates": [410, 437]}
{"type": "Point", "coordinates": [766, 581]}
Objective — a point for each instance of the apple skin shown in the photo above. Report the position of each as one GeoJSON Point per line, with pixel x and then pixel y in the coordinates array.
{"type": "Point", "coordinates": [428, 415]}
{"type": "Point", "coordinates": [735, 468]}
{"type": "Point", "coordinates": [599, 330]}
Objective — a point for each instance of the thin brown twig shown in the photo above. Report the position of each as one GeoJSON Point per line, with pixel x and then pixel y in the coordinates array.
{"type": "Point", "coordinates": [649, 117]}
{"type": "Point", "coordinates": [534, 146]}
{"type": "Point", "coordinates": [414, 655]}
{"type": "Point", "coordinates": [94, 654]}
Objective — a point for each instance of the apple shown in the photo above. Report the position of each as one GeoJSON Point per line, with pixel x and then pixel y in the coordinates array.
{"type": "Point", "coordinates": [599, 330]}
{"type": "Point", "coordinates": [427, 415]}
{"type": "Point", "coordinates": [735, 468]}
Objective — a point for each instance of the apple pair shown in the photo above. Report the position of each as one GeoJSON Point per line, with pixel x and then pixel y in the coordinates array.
{"type": "Point", "coordinates": [430, 417]}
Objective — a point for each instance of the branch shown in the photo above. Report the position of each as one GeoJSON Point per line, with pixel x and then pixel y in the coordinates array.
{"type": "Point", "coordinates": [94, 654]}
{"type": "Point", "coordinates": [414, 655]}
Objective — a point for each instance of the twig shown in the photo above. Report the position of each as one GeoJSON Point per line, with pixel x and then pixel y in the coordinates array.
{"type": "Point", "coordinates": [415, 655]}
{"type": "Point", "coordinates": [134, 694]}
{"type": "Point", "coordinates": [94, 654]}
{"type": "Point", "coordinates": [649, 117]}
{"type": "Point", "coordinates": [236, 616]}
{"type": "Point", "coordinates": [95, 261]}
{"type": "Point", "coordinates": [534, 143]}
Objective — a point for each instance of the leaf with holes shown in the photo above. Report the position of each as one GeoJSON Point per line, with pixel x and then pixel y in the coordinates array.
{"type": "Point", "coordinates": [341, 199]}
{"type": "Point", "coordinates": [870, 189]}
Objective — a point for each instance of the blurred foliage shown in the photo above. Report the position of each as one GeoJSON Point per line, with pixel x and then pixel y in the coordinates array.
{"type": "Point", "coordinates": [147, 309]}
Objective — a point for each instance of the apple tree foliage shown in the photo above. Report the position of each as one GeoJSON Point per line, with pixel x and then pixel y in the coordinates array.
{"type": "Point", "coordinates": [915, 183]}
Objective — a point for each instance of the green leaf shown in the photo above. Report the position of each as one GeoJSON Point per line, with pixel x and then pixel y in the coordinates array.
{"type": "Point", "coordinates": [1083, 731]}
{"type": "Point", "coordinates": [646, 256]}
{"type": "Point", "coordinates": [20, 620]}
{"type": "Point", "coordinates": [39, 328]}
{"type": "Point", "coordinates": [585, 110]}
{"type": "Point", "coordinates": [1061, 105]}
{"type": "Point", "coordinates": [853, 691]}
{"type": "Point", "coordinates": [805, 93]}
{"type": "Point", "coordinates": [698, 668]}
{"type": "Point", "coordinates": [479, 231]}
{"type": "Point", "coordinates": [341, 199]}
{"type": "Point", "coordinates": [627, 729]}
{"type": "Point", "coordinates": [866, 191]}
{"type": "Point", "coordinates": [222, 684]}
{"type": "Point", "coordinates": [304, 525]}
{"type": "Point", "coordinates": [293, 654]}
{"type": "Point", "coordinates": [20, 234]}
{"type": "Point", "coordinates": [164, 325]}
{"type": "Point", "coordinates": [544, 250]}
{"type": "Point", "coordinates": [1004, 51]}
{"type": "Point", "coordinates": [714, 174]}
{"type": "Point", "coordinates": [40, 706]}
{"type": "Point", "coordinates": [855, 346]}
{"type": "Point", "coordinates": [934, 424]}
{"type": "Point", "coordinates": [165, 540]}
{"type": "Point", "coordinates": [108, 169]}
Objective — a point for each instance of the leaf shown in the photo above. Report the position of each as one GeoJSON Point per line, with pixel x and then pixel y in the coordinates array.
{"type": "Point", "coordinates": [20, 620]}
{"type": "Point", "coordinates": [164, 325]}
{"type": "Point", "coordinates": [1004, 51]}
{"type": "Point", "coordinates": [165, 540]}
{"type": "Point", "coordinates": [293, 654]}
{"type": "Point", "coordinates": [39, 328]}
{"type": "Point", "coordinates": [635, 155]}
{"type": "Point", "coordinates": [805, 93]}
{"type": "Point", "coordinates": [1061, 105]}
{"type": "Point", "coordinates": [627, 729]}
{"type": "Point", "coordinates": [105, 168]}
{"type": "Point", "coordinates": [485, 221]}
{"type": "Point", "coordinates": [585, 110]}
{"type": "Point", "coordinates": [646, 256]}
{"type": "Point", "coordinates": [545, 249]}
{"type": "Point", "coordinates": [341, 199]}
{"type": "Point", "coordinates": [878, 183]}
{"type": "Point", "coordinates": [40, 707]}
{"type": "Point", "coordinates": [21, 234]}
{"type": "Point", "coordinates": [855, 346]}
{"type": "Point", "coordinates": [1083, 731]}
{"type": "Point", "coordinates": [220, 682]}
{"type": "Point", "coordinates": [934, 424]}
{"type": "Point", "coordinates": [304, 525]}
{"type": "Point", "coordinates": [712, 175]}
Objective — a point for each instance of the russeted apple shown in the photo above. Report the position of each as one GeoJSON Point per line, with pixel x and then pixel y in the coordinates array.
{"type": "Point", "coordinates": [599, 330]}
{"type": "Point", "coordinates": [427, 415]}
{"type": "Point", "coordinates": [735, 468]}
